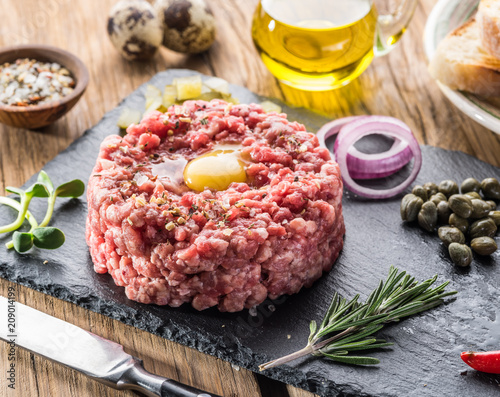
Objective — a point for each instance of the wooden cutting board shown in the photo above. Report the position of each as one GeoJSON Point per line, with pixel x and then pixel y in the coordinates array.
{"type": "Point", "coordinates": [424, 360]}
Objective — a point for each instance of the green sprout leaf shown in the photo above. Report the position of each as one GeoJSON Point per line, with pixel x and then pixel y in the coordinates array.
{"type": "Point", "coordinates": [44, 179]}
{"type": "Point", "coordinates": [14, 190]}
{"type": "Point", "coordinates": [22, 241]}
{"type": "Point", "coordinates": [74, 188]}
{"type": "Point", "coordinates": [39, 234]}
{"type": "Point", "coordinates": [48, 237]}
{"type": "Point", "coordinates": [37, 190]}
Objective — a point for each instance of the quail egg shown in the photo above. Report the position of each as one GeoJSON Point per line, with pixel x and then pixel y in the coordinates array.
{"type": "Point", "coordinates": [189, 25]}
{"type": "Point", "coordinates": [135, 29]}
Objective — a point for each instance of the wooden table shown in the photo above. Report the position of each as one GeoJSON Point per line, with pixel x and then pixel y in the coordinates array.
{"type": "Point", "coordinates": [396, 85]}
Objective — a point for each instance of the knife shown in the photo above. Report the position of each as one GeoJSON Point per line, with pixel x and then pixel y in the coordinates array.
{"type": "Point", "coordinates": [96, 357]}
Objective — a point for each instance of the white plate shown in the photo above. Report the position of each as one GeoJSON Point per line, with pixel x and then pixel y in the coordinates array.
{"type": "Point", "coordinates": [446, 16]}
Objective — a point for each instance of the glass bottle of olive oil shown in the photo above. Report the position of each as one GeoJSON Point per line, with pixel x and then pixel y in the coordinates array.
{"type": "Point", "coordinates": [315, 44]}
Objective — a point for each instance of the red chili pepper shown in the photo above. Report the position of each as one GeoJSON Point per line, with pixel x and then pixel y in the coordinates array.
{"type": "Point", "coordinates": [485, 361]}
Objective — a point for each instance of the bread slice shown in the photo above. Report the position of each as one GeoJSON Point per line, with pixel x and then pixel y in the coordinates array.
{"type": "Point", "coordinates": [461, 63]}
{"type": "Point", "coordinates": [488, 18]}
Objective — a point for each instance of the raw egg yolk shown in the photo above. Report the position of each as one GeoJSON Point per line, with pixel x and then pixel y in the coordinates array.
{"type": "Point", "coordinates": [215, 170]}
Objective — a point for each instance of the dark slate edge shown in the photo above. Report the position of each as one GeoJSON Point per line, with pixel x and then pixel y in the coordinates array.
{"type": "Point", "coordinates": [216, 346]}
{"type": "Point", "coordinates": [225, 347]}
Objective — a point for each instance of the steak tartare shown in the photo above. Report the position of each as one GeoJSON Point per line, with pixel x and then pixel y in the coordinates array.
{"type": "Point", "coordinates": [167, 244]}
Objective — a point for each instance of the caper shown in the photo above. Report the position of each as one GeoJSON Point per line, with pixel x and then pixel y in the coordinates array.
{"type": "Point", "coordinates": [470, 185]}
{"type": "Point", "coordinates": [448, 188]}
{"type": "Point", "coordinates": [444, 211]}
{"type": "Point", "coordinates": [419, 191]}
{"type": "Point", "coordinates": [430, 188]}
{"type": "Point", "coordinates": [492, 204]}
{"type": "Point", "coordinates": [404, 202]}
{"type": "Point", "coordinates": [438, 197]}
{"type": "Point", "coordinates": [460, 223]}
{"type": "Point", "coordinates": [449, 235]}
{"type": "Point", "coordinates": [410, 206]}
{"type": "Point", "coordinates": [427, 216]}
{"type": "Point", "coordinates": [460, 254]}
{"type": "Point", "coordinates": [495, 216]}
{"type": "Point", "coordinates": [491, 188]}
{"type": "Point", "coordinates": [480, 209]}
{"type": "Point", "coordinates": [460, 205]}
{"type": "Point", "coordinates": [474, 195]}
{"type": "Point", "coordinates": [484, 245]}
{"type": "Point", "coordinates": [485, 227]}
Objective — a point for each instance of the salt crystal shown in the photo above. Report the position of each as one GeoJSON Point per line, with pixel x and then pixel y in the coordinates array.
{"type": "Point", "coordinates": [140, 179]}
{"type": "Point", "coordinates": [29, 78]}
{"type": "Point", "coordinates": [225, 203]}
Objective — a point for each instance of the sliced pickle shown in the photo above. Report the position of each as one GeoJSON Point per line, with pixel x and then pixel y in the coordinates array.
{"type": "Point", "coordinates": [129, 116]}
{"type": "Point", "coordinates": [188, 87]}
{"type": "Point", "coordinates": [169, 96]}
{"type": "Point", "coordinates": [269, 106]}
{"type": "Point", "coordinates": [153, 94]}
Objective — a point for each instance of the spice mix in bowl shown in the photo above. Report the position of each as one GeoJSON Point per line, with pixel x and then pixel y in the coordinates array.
{"type": "Point", "coordinates": [38, 84]}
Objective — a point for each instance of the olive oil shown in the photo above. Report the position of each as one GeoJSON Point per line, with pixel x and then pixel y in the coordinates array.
{"type": "Point", "coordinates": [315, 44]}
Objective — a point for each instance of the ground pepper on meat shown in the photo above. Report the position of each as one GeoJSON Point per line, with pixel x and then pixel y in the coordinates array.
{"type": "Point", "coordinates": [169, 245]}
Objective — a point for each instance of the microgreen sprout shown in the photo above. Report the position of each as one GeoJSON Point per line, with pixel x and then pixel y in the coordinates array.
{"type": "Point", "coordinates": [39, 235]}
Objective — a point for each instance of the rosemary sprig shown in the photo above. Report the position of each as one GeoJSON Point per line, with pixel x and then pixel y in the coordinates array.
{"type": "Point", "coordinates": [350, 325]}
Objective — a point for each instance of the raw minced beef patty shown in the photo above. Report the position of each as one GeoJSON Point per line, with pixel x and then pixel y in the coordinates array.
{"type": "Point", "coordinates": [167, 244]}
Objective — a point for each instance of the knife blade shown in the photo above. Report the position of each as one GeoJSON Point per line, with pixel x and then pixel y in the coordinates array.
{"type": "Point", "coordinates": [94, 356]}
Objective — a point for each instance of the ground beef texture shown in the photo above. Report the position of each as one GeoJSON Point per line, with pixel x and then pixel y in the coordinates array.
{"type": "Point", "coordinates": [169, 245]}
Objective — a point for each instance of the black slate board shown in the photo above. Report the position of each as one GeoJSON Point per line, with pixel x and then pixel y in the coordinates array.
{"type": "Point", "coordinates": [424, 360]}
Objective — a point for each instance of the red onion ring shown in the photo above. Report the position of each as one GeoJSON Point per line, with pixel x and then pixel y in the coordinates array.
{"type": "Point", "coordinates": [380, 164]}
{"type": "Point", "coordinates": [352, 131]}
{"type": "Point", "coordinates": [333, 128]}
{"type": "Point", "coordinates": [370, 175]}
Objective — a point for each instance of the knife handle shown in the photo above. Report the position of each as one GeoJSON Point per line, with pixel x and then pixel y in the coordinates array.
{"type": "Point", "coordinates": [137, 378]}
{"type": "Point", "coordinates": [171, 388]}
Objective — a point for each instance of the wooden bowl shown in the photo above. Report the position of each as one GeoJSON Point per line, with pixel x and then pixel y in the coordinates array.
{"type": "Point", "coordinates": [37, 116]}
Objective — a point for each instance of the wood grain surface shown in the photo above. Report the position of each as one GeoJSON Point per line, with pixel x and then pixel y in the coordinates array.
{"type": "Point", "coordinates": [396, 85]}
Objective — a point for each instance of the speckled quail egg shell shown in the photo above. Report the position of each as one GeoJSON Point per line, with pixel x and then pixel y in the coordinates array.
{"type": "Point", "coordinates": [189, 25]}
{"type": "Point", "coordinates": [135, 29]}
